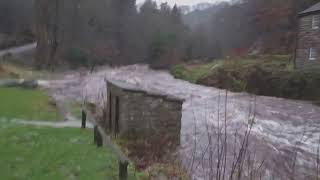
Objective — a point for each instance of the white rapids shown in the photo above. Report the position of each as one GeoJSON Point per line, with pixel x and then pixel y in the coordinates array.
{"type": "Point", "coordinates": [282, 128]}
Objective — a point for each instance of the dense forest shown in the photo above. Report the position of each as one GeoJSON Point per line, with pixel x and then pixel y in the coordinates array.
{"type": "Point", "coordinates": [16, 21]}
{"type": "Point", "coordinates": [244, 26]}
{"type": "Point", "coordinates": [110, 31]}
{"type": "Point", "coordinates": [81, 32]}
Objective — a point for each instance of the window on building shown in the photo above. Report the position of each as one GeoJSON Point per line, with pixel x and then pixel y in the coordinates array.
{"type": "Point", "coordinates": [315, 22]}
{"type": "Point", "coordinates": [313, 54]}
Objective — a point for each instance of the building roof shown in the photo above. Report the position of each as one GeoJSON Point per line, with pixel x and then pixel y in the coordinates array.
{"type": "Point", "coordinates": [135, 88]}
{"type": "Point", "coordinates": [313, 9]}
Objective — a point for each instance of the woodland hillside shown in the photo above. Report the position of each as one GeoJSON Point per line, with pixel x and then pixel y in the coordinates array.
{"type": "Point", "coordinates": [78, 32]}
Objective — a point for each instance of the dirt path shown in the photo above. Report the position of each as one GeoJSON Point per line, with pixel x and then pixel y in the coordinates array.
{"type": "Point", "coordinates": [284, 137]}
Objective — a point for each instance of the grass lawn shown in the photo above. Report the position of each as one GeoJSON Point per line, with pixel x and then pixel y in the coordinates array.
{"type": "Point", "coordinates": [37, 153]}
{"type": "Point", "coordinates": [193, 73]}
{"type": "Point", "coordinates": [28, 104]}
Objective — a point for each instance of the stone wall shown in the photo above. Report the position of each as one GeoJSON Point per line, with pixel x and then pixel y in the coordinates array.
{"type": "Point", "coordinates": [140, 111]}
{"type": "Point", "coordinates": [307, 38]}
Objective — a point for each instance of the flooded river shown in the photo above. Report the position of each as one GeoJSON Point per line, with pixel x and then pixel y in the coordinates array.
{"type": "Point", "coordinates": [283, 141]}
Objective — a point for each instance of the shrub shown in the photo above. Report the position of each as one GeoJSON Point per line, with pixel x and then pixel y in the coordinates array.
{"type": "Point", "coordinates": [179, 71]}
{"type": "Point", "coordinates": [2, 71]}
{"type": "Point", "coordinates": [266, 77]}
{"type": "Point", "coordinates": [193, 72]}
{"type": "Point", "coordinates": [164, 51]}
{"type": "Point", "coordinates": [76, 58]}
{"type": "Point", "coordinates": [147, 147]}
{"type": "Point", "coordinates": [27, 36]}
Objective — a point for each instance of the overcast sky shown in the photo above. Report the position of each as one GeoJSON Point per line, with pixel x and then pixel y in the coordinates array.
{"type": "Point", "coordinates": [182, 2]}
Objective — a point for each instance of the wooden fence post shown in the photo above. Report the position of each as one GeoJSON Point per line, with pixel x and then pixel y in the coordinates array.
{"type": "Point", "coordinates": [84, 119]}
{"type": "Point", "coordinates": [101, 137]}
{"type": "Point", "coordinates": [97, 137]}
{"type": "Point", "coordinates": [123, 170]}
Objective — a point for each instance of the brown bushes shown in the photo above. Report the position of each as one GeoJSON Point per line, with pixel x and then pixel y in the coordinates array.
{"type": "Point", "coordinates": [269, 78]}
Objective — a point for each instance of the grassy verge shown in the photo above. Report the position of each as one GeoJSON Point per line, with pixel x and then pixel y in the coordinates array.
{"type": "Point", "coordinates": [29, 104]}
{"type": "Point", "coordinates": [193, 72]}
{"type": "Point", "coordinates": [263, 75]}
{"type": "Point", "coordinates": [37, 153]}
{"type": "Point", "coordinates": [11, 70]}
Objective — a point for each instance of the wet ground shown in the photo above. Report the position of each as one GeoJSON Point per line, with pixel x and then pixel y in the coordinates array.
{"type": "Point", "coordinates": [59, 124]}
{"type": "Point", "coordinates": [283, 142]}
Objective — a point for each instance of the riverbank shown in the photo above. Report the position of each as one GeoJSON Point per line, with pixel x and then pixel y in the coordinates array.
{"type": "Point", "coordinates": [264, 75]}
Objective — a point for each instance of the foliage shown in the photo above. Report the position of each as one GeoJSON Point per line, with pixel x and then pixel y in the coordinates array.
{"type": "Point", "coordinates": [275, 22]}
{"type": "Point", "coordinates": [269, 75]}
{"type": "Point", "coordinates": [163, 34]}
{"type": "Point", "coordinates": [246, 25]}
{"type": "Point", "coordinates": [146, 148]}
{"type": "Point", "coordinates": [160, 42]}
{"type": "Point", "coordinates": [11, 68]}
{"type": "Point", "coordinates": [16, 16]}
{"type": "Point", "coordinates": [110, 31]}
{"type": "Point", "coordinates": [37, 153]}
{"type": "Point", "coordinates": [232, 73]}
{"type": "Point", "coordinates": [193, 73]}
{"type": "Point", "coordinates": [162, 51]}
{"type": "Point", "coordinates": [117, 33]}
{"type": "Point", "coordinates": [76, 58]}
{"type": "Point", "coordinates": [3, 72]}
{"type": "Point", "coordinates": [27, 104]}
{"type": "Point", "coordinates": [219, 30]}
{"type": "Point", "coordinates": [169, 170]}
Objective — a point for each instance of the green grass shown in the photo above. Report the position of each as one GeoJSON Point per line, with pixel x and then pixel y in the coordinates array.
{"type": "Point", "coordinates": [28, 104]}
{"type": "Point", "coordinates": [37, 153]}
{"type": "Point", "coordinates": [268, 75]}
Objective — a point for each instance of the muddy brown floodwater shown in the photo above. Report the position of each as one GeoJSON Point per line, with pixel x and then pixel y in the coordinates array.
{"type": "Point", "coordinates": [284, 138]}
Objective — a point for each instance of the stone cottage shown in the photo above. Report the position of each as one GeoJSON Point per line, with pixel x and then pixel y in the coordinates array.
{"type": "Point", "coordinates": [308, 47]}
{"type": "Point", "coordinates": [131, 109]}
